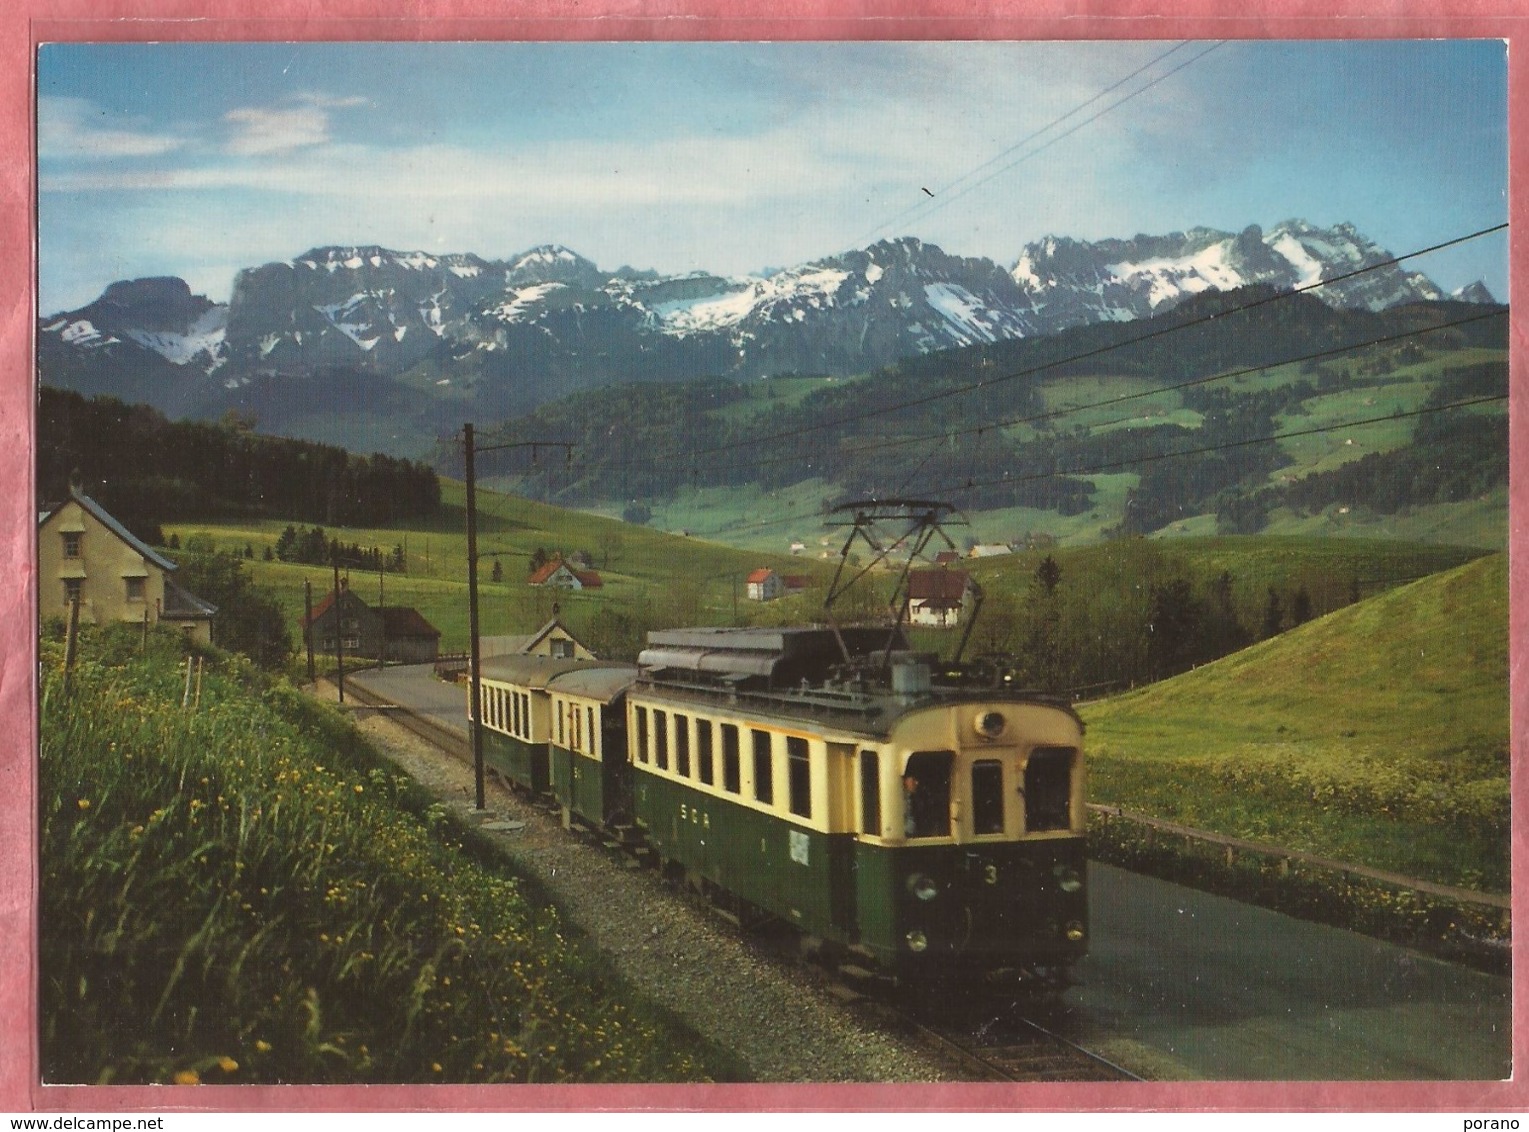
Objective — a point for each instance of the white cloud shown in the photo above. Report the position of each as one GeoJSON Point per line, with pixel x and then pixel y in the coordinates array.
{"type": "Point", "coordinates": [259, 131]}
{"type": "Point", "coordinates": [76, 129]}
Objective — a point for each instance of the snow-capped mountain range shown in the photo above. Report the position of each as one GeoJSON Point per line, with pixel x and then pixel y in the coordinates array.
{"type": "Point", "coordinates": [549, 321]}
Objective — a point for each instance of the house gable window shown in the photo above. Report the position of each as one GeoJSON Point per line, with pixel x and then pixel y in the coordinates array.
{"type": "Point", "coordinates": [72, 541]}
{"type": "Point", "coordinates": [137, 588]}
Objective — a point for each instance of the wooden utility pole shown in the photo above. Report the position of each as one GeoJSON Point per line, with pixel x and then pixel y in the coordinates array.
{"type": "Point", "coordinates": [339, 629]}
{"type": "Point", "coordinates": [475, 689]}
{"type": "Point", "coordinates": [72, 639]}
{"type": "Point", "coordinates": [308, 626]}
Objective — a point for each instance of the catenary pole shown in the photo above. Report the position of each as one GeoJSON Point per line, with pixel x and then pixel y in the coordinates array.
{"type": "Point", "coordinates": [475, 692]}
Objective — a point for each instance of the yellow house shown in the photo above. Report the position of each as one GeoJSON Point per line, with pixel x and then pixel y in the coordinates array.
{"type": "Point", "coordinates": [552, 639]}
{"type": "Point", "coordinates": [82, 552]}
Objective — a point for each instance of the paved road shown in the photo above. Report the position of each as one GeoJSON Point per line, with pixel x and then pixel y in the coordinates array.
{"type": "Point", "coordinates": [1217, 990]}
{"type": "Point", "coordinates": [1234, 992]}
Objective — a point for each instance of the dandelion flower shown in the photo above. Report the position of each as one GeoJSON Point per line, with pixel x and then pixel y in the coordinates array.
{"type": "Point", "coordinates": [188, 1077]}
{"type": "Point", "coordinates": [262, 1046]}
{"type": "Point", "coordinates": [227, 1064]}
{"type": "Point", "coordinates": [83, 803]}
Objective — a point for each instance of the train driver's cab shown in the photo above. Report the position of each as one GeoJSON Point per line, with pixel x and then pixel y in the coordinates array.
{"type": "Point", "coordinates": [926, 794]}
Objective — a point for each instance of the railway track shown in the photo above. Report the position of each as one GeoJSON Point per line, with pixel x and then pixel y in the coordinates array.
{"type": "Point", "coordinates": [974, 1047]}
{"type": "Point", "coordinates": [983, 1046]}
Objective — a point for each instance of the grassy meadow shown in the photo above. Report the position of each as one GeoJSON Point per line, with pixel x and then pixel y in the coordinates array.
{"type": "Point", "coordinates": [667, 578]}
{"type": "Point", "coordinates": [242, 891]}
{"type": "Point", "coordinates": [1378, 735]}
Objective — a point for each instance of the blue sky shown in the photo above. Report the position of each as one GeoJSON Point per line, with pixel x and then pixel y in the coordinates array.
{"type": "Point", "coordinates": [199, 159]}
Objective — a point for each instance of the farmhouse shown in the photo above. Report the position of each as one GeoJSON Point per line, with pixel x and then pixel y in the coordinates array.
{"type": "Point", "coordinates": [392, 632]}
{"type": "Point", "coordinates": [765, 585]}
{"type": "Point", "coordinates": [938, 597]}
{"type": "Point", "coordinates": [560, 575]}
{"type": "Point", "coordinates": [85, 555]}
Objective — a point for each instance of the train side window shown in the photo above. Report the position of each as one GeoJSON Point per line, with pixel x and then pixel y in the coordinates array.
{"type": "Point", "coordinates": [987, 796]}
{"type": "Point", "coordinates": [799, 776]}
{"type": "Point", "coordinates": [661, 739]}
{"type": "Point", "coordinates": [926, 794]}
{"type": "Point", "coordinates": [732, 772]}
{"type": "Point", "coordinates": [1048, 788]}
{"type": "Point", "coordinates": [682, 746]}
{"type": "Point", "coordinates": [641, 715]}
{"type": "Point", "coordinates": [764, 768]}
{"type": "Point", "coordinates": [870, 793]}
{"type": "Point", "coordinates": [591, 742]}
{"type": "Point", "coordinates": [562, 724]}
{"type": "Point", "coordinates": [703, 741]}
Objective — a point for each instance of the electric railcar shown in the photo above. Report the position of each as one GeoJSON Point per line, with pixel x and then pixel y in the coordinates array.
{"type": "Point", "coordinates": [921, 822]}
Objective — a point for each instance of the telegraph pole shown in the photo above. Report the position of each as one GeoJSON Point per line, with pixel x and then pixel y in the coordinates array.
{"type": "Point", "coordinates": [475, 662]}
{"type": "Point", "coordinates": [475, 693]}
{"type": "Point", "coordinates": [308, 624]}
{"type": "Point", "coordinates": [339, 629]}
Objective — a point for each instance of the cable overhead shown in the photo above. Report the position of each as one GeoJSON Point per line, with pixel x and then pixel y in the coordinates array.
{"type": "Point", "coordinates": [948, 435]}
{"type": "Point", "coordinates": [930, 207]}
{"type": "Point", "coordinates": [1094, 469]}
{"type": "Point", "coordinates": [1150, 335]}
{"type": "Point", "coordinates": [1226, 446]}
{"type": "Point", "coordinates": [941, 194]}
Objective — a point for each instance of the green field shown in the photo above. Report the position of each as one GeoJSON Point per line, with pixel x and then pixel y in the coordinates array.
{"type": "Point", "coordinates": [1377, 735]}
{"type": "Point", "coordinates": [666, 578]}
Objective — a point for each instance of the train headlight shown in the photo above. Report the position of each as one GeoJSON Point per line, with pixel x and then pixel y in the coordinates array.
{"type": "Point", "coordinates": [923, 886]}
{"type": "Point", "coordinates": [990, 724]}
{"type": "Point", "coordinates": [1067, 878]}
{"type": "Point", "coordinates": [917, 941]}
{"type": "Point", "coordinates": [1074, 931]}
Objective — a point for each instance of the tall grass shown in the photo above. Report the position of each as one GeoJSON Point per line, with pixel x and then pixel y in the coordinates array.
{"type": "Point", "coordinates": [244, 893]}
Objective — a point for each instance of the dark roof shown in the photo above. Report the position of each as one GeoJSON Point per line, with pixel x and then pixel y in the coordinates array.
{"type": "Point", "coordinates": [405, 621]}
{"type": "Point", "coordinates": [924, 585]}
{"type": "Point", "coordinates": [323, 606]}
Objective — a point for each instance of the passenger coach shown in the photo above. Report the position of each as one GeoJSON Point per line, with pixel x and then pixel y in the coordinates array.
{"type": "Point", "coordinates": [927, 821]}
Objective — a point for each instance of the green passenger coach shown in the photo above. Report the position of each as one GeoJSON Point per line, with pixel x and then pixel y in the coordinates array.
{"type": "Point", "coordinates": [927, 822]}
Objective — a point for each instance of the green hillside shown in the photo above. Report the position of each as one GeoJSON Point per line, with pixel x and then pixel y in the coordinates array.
{"type": "Point", "coordinates": [1378, 734]}
{"type": "Point", "coordinates": [649, 577]}
{"type": "Point", "coordinates": [1286, 419]}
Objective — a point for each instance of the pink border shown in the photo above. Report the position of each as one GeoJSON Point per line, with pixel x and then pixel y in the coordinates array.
{"type": "Point", "coordinates": [28, 22]}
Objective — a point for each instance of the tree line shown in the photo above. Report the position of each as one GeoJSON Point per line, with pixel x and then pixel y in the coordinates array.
{"type": "Point", "coordinates": [146, 470]}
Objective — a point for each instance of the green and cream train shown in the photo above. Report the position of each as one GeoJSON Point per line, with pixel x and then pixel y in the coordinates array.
{"type": "Point", "coordinates": [919, 820]}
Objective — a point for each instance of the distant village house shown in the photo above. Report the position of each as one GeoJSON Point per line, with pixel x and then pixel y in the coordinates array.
{"type": "Point", "coordinates": [765, 585]}
{"type": "Point", "coordinates": [394, 632]}
{"type": "Point", "coordinates": [560, 575]}
{"type": "Point", "coordinates": [86, 555]}
{"type": "Point", "coordinates": [937, 598]}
